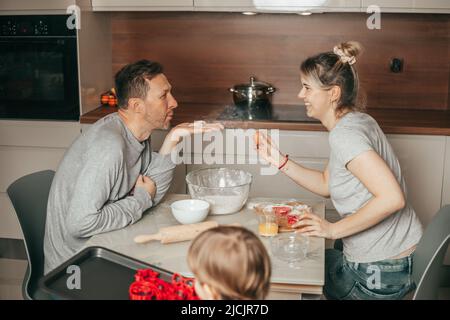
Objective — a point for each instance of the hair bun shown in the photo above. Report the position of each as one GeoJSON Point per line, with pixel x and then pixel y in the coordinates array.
{"type": "Point", "coordinates": [348, 51]}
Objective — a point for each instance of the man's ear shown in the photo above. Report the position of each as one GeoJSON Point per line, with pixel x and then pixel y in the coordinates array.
{"type": "Point", "coordinates": [335, 93]}
{"type": "Point", "coordinates": [136, 105]}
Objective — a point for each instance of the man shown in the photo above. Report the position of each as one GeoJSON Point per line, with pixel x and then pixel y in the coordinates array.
{"type": "Point", "coordinates": [110, 176]}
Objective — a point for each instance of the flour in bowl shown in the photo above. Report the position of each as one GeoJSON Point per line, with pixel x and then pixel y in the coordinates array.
{"type": "Point", "coordinates": [224, 204]}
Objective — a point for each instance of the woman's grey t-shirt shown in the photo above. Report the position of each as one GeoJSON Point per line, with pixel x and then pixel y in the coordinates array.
{"type": "Point", "coordinates": [354, 134]}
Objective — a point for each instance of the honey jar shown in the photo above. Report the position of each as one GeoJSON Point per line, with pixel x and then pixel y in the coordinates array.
{"type": "Point", "coordinates": [268, 225]}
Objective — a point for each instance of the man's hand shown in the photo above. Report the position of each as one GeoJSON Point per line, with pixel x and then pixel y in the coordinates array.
{"type": "Point", "coordinates": [148, 184]}
{"type": "Point", "coordinates": [186, 129]}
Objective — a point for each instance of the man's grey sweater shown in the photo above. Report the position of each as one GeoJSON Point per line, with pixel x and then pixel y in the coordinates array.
{"type": "Point", "coordinates": [92, 191]}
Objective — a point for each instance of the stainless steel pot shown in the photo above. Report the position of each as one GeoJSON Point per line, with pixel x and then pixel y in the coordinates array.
{"type": "Point", "coordinates": [252, 94]}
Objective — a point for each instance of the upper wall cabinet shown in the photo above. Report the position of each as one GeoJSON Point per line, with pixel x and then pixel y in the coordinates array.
{"type": "Point", "coordinates": [413, 6]}
{"type": "Point", "coordinates": [31, 5]}
{"type": "Point", "coordinates": [142, 5]}
{"type": "Point", "coordinates": [279, 5]}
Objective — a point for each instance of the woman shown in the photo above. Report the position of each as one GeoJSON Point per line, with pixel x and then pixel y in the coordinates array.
{"type": "Point", "coordinates": [378, 228]}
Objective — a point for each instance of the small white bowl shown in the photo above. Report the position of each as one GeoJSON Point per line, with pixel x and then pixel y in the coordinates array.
{"type": "Point", "coordinates": [190, 210]}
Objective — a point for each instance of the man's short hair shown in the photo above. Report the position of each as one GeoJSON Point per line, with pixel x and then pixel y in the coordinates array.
{"type": "Point", "coordinates": [130, 81]}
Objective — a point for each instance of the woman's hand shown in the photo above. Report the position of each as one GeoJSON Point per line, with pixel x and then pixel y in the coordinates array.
{"type": "Point", "coordinates": [184, 130]}
{"type": "Point", "coordinates": [267, 149]}
{"type": "Point", "coordinates": [310, 224]}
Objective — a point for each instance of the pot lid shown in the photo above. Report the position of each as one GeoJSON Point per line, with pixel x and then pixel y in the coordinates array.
{"type": "Point", "coordinates": [253, 84]}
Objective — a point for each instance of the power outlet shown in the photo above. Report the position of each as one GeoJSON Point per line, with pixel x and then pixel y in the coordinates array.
{"type": "Point", "coordinates": [396, 65]}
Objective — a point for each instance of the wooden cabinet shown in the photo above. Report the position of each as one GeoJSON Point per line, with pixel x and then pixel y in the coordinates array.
{"type": "Point", "coordinates": [413, 6]}
{"type": "Point", "coordinates": [279, 6]}
{"type": "Point", "coordinates": [26, 147]}
{"type": "Point", "coordinates": [142, 5]}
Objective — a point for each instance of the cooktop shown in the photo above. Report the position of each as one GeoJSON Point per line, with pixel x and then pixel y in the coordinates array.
{"type": "Point", "coordinates": [282, 113]}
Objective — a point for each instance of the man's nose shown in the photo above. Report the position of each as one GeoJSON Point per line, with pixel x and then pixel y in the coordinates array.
{"type": "Point", "coordinates": [173, 102]}
{"type": "Point", "coordinates": [301, 94]}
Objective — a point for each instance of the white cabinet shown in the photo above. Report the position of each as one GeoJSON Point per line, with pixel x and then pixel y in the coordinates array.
{"type": "Point", "coordinates": [279, 5]}
{"type": "Point", "coordinates": [231, 5]}
{"type": "Point", "coordinates": [413, 6]}
{"type": "Point", "coordinates": [421, 158]}
{"type": "Point", "coordinates": [446, 184]}
{"type": "Point", "coordinates": [7, 5]}
{"type": "Point", "coordinates": [274, 6]}
{"type": "Point", "coordinates": [446, 187]}
{"type": "Point", "coordinates": [425, 163]}
{"type": "Point", "coordinates": [422, 161]}
{"type": "Point", "coordinates": [142, 5]}
{"type": "Point", "coordinates": [26, 147]}
{"type": "Point", "coordinates": [306, 147]}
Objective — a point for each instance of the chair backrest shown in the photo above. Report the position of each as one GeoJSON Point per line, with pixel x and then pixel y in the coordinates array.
{"type": "Point", "coordinates": [428, 258]}
{"type": "Point", "coordinates": [29, 196]}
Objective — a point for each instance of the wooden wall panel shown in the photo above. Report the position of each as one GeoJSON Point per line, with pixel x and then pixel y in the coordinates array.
{"type": "Point", "coordinates": [206, 53]}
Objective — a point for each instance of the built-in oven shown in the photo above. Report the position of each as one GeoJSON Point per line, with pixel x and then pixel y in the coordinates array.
{"type": "Point", "coordinates": [38, 68]}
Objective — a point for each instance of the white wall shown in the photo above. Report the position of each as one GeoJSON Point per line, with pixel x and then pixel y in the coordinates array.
{"type": "Point", "coordinates": [26, 147]}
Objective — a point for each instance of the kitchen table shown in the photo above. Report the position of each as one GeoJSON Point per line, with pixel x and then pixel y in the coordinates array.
{"type": "Point", "coordinates": [307, 277]}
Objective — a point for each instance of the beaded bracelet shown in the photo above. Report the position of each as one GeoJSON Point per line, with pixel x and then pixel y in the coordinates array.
{"type": "Point", "coordinates": [286, 158]}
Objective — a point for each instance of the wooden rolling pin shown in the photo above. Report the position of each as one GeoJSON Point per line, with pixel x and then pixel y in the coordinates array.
{"type": "Point", "coordinates": [177, 233]}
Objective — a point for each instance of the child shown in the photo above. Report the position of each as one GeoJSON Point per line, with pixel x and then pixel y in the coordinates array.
{"type": "Point", "coordinates": [229, 263]}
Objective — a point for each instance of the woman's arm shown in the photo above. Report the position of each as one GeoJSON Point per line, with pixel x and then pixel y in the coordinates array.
{"type": "Point", "coordinates": [313, 180]}
{"type": "Point", "coordinates": [388, 198]}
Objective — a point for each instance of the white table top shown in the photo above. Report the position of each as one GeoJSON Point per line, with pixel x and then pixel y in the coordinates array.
{"type": "Point", "coordinates": [172, 256]}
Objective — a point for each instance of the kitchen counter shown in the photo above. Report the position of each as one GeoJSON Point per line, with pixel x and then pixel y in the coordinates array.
{"type": "Point", "coordinates": [426, 122]}
{"type": "Point", "coordinates": [306, 276]}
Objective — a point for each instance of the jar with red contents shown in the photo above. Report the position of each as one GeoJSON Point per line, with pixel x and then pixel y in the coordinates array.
{"type": "Point", "coordinates": [109, 98]}
{"type": "Point", "coordinates": [281, 212]}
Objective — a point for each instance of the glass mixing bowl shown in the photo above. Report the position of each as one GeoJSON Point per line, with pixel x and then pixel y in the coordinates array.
{"type": "Point", "coordinates": [225, 189]}
{"type": "Point", "coordinates": [291, 247]}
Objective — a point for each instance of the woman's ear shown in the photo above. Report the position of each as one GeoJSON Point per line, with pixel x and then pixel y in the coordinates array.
{"type": "Point", "coordinates": [335, 93]}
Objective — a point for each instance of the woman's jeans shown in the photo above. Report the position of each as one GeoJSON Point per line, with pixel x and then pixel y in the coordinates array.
{"type": "Point", "coordinates": [388, 279]}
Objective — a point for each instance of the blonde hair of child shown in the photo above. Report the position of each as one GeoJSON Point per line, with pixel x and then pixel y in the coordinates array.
{"type": "Point", "coordinates": [233, 261]}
